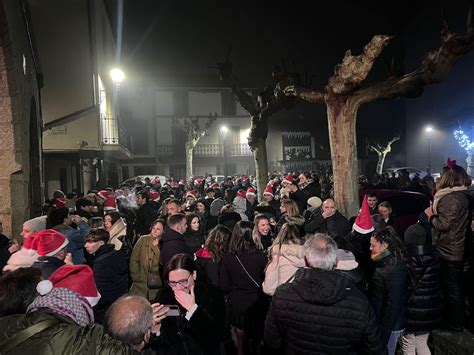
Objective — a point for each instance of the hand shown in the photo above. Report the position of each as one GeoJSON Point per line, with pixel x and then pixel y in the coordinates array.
{"type": "Point", "coordinates": [429, 212]}
{"type": "Point", "coordinates": [187, 300]}
{"type": "Point", "coordinates": [14, 247]}
{"type": "Point", "coordinates": [68, 259]}
{"type": "Point", "coordinates": [326, 214]}
{"type": "Point", "coordinates": [159, 313]}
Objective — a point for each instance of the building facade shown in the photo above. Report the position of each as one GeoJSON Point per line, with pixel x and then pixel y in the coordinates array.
{"type": "Point", "coordinates": [83, 139]}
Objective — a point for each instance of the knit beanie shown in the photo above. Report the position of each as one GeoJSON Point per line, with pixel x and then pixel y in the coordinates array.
{"type": "Point", "coordinates": [36, 224]}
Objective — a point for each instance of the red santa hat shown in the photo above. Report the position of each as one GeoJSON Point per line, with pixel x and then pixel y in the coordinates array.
{"type": "Point", "coordinates": [154, 195]}
{"type": "Point", "coordinates": [77, 278]}
{"type": "Point", "coordinates": [103, 194]}
{"type": "Point", "coordinates": [49, 242]}
{"type": "Point", "coordinates": [156, 181]}
{"type": "Point", "coordinates": [181, 182]}
{"type": "Point", "coordinates": [197, 181]}
{"type": "Point", "coordinates": [191, 193]}
{"type": "Point", "coordinates": [119, 192]}
{"type": "Point", "coordinates": [214, 186]}
{"type": "Point", "coordinates": [241, 193]}
{"type": "Point", "coordinates": [364, 223]}
{"type": "Point", "coordinates": [268, 190]}
{"type": "Point", "coordinates": [289, 179]}
{"type": "Point", "coordinates": [110, 203]}
{"type": "Point", "coordinates": [250, 191]}
{"type": "Point", "coordinates": [59, 202]}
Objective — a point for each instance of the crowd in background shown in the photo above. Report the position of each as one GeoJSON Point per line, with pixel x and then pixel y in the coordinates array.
{"type": "Point", "coordinates": [201, 267]}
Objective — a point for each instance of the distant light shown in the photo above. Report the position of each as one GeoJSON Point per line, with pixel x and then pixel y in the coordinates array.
{"type": "Point", "coordinates": [117, 76]}
{"type": "Point", "coordinates": [429, 129]}
{"type": "Point", "coordinates": [224, 130]}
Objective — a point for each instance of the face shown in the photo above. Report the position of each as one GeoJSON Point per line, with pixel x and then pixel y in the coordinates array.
{"type": "Point", "coordinates": [157, 230]}
{"type": "Point", "coordinates": [302, 179]}
{"type": "Point", "coordinates": [26, 232]}
{"type": "Point", "coordinates": [181, 279]}
{"type": "Point", "coordinates": [329, 207]}
{"type": "Point", "coordinates": [172, 208]}
{"type": "Point", "coordinates": [200, 207]}
{"type": "Point", "coordinates": [267, 197]}
{"type": "Point", "coordinates": [376, 247]}
{"type": "Point", "coordinates": [92, 247]}
{"type": "Point", "coordinates": [282, 208]}
{"type": "Point", "coordinates": [385, 212]}
{"type": "Point", "coordinates": [372, 201]}
{"type": "Point", "coordinates": [263, 227]}
{"type": "Point", "coordinates": [250, 198]}
{"type": "Point", "coordinates": [108, 222]}
{"type": "Point", "coordinates": [140, 200]}
{"type": "Point", "coordinates": [195, 224]}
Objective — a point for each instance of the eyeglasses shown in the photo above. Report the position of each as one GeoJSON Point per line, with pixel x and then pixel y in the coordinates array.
{"type": "Point", "coordinates": [182, 283]}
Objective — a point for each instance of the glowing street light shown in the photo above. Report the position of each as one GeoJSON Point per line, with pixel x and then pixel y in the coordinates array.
{"type": "Point", "coordinates": [117, 76]}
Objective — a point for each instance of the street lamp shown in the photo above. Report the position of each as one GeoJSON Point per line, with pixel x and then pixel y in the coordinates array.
{"type": "Point", "coordinates": [429, 131]}
{"type": "Point", "coordinates": [224, 131]}
{"type": "Point", "coordinates": [117, 76]}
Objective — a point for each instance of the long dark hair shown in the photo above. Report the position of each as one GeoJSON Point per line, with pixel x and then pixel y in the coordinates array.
{"type": "Point", "coordinates": [241, 239]}
{"type": "Point", "coordinates": [180, 261]}
{"type": "Point", "coordinates": [114, 216]}
{"type": "Point", "coordinates": [389, 236]}
{"type": "Point", "coordinates": [217, 242]}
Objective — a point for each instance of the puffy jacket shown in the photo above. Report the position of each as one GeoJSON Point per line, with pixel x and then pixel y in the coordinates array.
{"type": "Point", "coordinates": [424, 312]}
{"type": "Point", "coordinates": [451, 225]}
{"type": "Point", "coordinates": [321, 312]}
{"type": "Point", "coordinates": [388, 293]}
{"type": "Point", "coordinates": [285, 261]}
{"type": "Point", "coordinates": [64, 338]}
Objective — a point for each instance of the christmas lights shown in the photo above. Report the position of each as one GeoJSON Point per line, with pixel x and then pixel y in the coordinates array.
{"type": "Point", "coordinates": [464, 141]}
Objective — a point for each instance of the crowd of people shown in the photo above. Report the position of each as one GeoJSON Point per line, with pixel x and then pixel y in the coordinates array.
{"type": "Point", "coordinates": [199, 267]}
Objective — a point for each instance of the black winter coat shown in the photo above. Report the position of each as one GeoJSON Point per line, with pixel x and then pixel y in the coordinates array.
{"type": "Point", "coordinates": [110, 269]}
{"type": "Point", "coordinates": [202, 334]}
{"type": "Point", "coordinates": [425, 305]}
{"type": "Point", "coordinates": [4, 253]}
{"type": "Point", "coordinates": [312, 189]}
{"type": "Point", "coordinates": [321, 312]}
{"type": "Point", "coordinates": [47, 265]}
{"type": "Point", "coordinates": [146, 214]}
{"type": "Point", "coordinates": [388, 294]}
{"type": "Point", "coordinates": [335, 226]}
{"type": "Point", "coordinates": [172, 243]}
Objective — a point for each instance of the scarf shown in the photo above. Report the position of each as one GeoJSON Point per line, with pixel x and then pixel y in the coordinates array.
{"type": "Point", "coordinates": [66, 303]}
{"type": "Point", "coordinates": [382, 255]}
{"type": "Point", "coordinates": [306, 183]}
{"type": "Point", "coordinates": [443, 192]}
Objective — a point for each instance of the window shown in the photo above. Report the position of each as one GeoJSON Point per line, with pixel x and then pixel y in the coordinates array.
{"type": "Point", "coordinates": [203, 103]}
{"type": "Point", "coordinates": [164, 103]}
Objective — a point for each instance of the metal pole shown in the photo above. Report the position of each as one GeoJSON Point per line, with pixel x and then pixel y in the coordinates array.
{"type": "Point", "coordinates": [225, 156]}
{"type": "Point", "coordinates": [429, 152]}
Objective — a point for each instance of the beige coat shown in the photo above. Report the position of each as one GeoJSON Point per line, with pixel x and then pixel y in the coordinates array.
{"type": "Point", "coordinates": [144, 256]}
{"type": "Point", "coordinates": [285, 262]}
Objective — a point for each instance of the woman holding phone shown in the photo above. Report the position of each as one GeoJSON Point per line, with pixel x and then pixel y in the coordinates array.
{"type": "Point", "coordinates": [188, 314]}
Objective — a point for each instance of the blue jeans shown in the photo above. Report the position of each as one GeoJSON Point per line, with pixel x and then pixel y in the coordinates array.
{"type": "Point", "coordinates": [393, 340]}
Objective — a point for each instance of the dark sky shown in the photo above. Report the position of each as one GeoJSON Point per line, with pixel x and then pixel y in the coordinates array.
{"type": "Point", "coordinates": [175, 42]}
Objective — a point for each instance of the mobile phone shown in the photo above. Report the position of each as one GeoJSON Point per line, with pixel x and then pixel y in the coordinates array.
{"type": "Point", "coordinates": [173, 310]}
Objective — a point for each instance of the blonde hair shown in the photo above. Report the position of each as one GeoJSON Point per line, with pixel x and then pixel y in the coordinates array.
{"type": "Point", "coordinates": [291, 208]}
{"type": "Point", "coordinates": [257, 238]}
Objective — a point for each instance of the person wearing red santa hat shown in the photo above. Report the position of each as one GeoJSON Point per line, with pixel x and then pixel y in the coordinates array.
{"type": "Point", "coordinates": [251, 203]}
{"type": "Point", "coordinates": [269, 198]}
{"type": "Point", "coordinates": [61, 320]}
{"type": "Point", "coordinates": [51, 247]}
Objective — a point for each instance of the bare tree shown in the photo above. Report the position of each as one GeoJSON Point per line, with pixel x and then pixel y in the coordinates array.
{"type": "Point", "coordinates": [271, 100]}
{"type": "Point", "coordinates": [382, 151]}
{"type": "Point", "coordinates": [194, 132]}
{"type": "Point", "coordinates": [344, 94]}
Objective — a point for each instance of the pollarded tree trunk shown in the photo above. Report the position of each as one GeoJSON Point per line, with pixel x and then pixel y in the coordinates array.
{"type": "Point", "coordinates": [261, 165]}
{"type": "Point", "coordinates": [381, 162]}
{"type": "Point", "coordinates": [189, 148]}
{"type": "Point", "coordinates": [342, 115]}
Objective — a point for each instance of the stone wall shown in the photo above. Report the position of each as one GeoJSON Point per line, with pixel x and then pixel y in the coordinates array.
{"type": "Point", "coordinates": [20, 119]}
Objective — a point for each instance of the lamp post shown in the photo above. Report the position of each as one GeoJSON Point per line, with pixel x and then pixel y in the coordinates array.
{"type": "Point", "coordinates": [429, 131]}
{"type": "Point", "coordinates": [224, 131]}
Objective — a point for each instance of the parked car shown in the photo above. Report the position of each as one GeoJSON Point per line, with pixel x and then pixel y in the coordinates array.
{"type": "Point", "coordinates": [131, 182]}
{"type": "Point", "coordinates": [406, 206]}
{"type": "Point", "coordinates": [412, 172]}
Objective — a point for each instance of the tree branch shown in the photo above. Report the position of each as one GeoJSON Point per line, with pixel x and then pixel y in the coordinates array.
{"type": "Point", "coordinates": [434, 68]}
{"type": "Point", "coordinates": [305, 94]}
{"type": "Point", "coordinates": [354, 69]}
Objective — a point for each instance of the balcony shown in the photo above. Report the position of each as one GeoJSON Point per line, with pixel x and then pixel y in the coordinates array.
{"type": "Point", "coordinates": [114, 136]}
{"type": "Point", "coordinates": [208, 150]}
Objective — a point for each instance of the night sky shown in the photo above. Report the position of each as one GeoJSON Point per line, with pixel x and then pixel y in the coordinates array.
{"type": "Point", "coordinates": [176, 43]}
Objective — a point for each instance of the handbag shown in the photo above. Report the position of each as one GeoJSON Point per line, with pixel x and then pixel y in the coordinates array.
{"type": "Point", "coordinates": [153, 280]}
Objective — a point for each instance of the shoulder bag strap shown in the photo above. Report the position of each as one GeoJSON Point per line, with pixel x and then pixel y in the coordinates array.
{"type": "Point", "coordinates": [26, 334]}
{"type": "Point", "coordinates": [243, 267]}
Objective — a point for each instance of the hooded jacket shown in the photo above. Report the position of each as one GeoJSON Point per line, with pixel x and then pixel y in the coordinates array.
{"type": "Point", "coordinates": [321, 312]}
{"type": "Point", "coordinates": [284, 263]}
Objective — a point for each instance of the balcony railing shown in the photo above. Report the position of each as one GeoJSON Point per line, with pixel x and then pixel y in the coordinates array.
{"type": "Point", "coordinates": [113, 132]}
{"type": "Point", "coordinates": [208, 150]}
